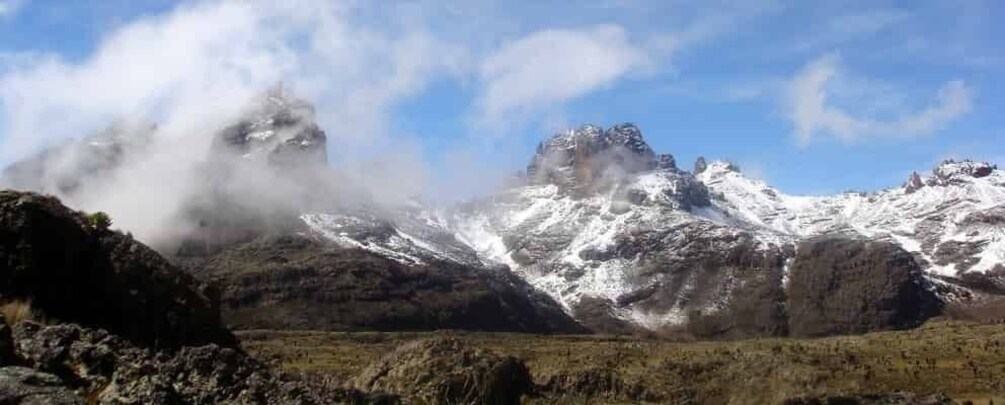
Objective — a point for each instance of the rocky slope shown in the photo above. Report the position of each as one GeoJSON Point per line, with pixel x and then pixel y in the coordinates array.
{"type": "Point", "coordinates": [296, 282]}
{"type": "Point", "coordinates": [70, 267]}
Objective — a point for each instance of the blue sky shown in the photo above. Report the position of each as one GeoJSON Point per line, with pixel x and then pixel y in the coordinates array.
{"type": "Point", "coordinates": [814, 98]}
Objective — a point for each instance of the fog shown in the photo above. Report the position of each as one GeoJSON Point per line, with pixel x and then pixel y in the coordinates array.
{"type": "Point", "coordinates": [162, 88]}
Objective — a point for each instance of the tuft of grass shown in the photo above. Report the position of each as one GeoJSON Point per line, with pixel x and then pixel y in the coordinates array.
{"type": "Point", "coordinates": [15, 311]}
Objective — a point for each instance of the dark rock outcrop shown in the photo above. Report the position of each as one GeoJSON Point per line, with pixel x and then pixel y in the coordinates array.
{"type": "Point", "coordinates": [448, 371]}
{"type": "Point", "coordinates": [294, 282]}
{"type": "Point", "coordinates": [840, 285]}
{"type": "Point", "coordinates": [68, 361]}
{"type": "Point", "coordinates": [27, 386]}
{"type": "Point", "coordinates": [76, 271]}
{"type": "Point", "coordinates": [700, 165]}
{"type": "Point", "coordinates": [913, 183]}
{"type": "Point", "coordinates": [665, 161]}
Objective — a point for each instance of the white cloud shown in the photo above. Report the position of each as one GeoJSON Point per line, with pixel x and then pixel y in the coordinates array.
{"type": "Point", "coordinates": [812, 112]}
{"type": "Point", "coordinates": [9, 7]}
{"type": "Point", "coordinates": [544, 70]}
{"type": "Point", "coordinates": [192, 69]}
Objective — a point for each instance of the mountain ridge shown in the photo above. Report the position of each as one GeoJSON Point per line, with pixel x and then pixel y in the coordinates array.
{"type": "Point", "coordinates": [614, 232]}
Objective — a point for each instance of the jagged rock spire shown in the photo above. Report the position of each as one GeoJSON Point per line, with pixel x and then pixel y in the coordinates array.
{"type": "Point", "coordinates": [700, 165]}
{"type": "Point", "coordinates": [913, 183]}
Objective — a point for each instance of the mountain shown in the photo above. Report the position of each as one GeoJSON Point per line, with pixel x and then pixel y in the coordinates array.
{"type": "Point", "coordinates": [600, 231]}
{"type": "Point", "coordinates": [617, 234]}
{"type": "Point", "coordinates": [952, 220]}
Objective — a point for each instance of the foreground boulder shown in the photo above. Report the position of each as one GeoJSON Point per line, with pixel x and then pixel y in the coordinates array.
{"type": "Point", "coordinates": [448, 371]}
{"type": "Point", "coordinates": [66, 363]}
{"type": "Point", "coordinates": [70, 267]}
{"type": "Point", "coordinates": [841, 285]}
{"type": "Point", "coordinates": [23, 385]}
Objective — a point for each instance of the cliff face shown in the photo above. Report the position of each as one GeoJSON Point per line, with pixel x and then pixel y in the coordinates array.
{"type": "Point", "coordinates": [841, 285]}
{"type": "Point", "coordinates": [74, 269]}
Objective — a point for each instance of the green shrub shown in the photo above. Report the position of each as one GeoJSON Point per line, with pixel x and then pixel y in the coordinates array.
{"type": "Point", "coordinates": [100, 221]}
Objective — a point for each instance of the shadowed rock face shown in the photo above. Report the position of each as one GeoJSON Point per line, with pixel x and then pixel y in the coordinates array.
{"type": "Point", "coordinates": [841, 285]}
{"type": "Point", "coordinates": [73, 271]}
{"type": "Point", "coordinates": [296, 283]}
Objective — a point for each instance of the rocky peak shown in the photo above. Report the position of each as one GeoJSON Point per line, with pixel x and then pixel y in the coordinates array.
{"type": "Point", "coordinates": [913, 183]}
{"type": "Point", "coordinates": [721, 166]}
{"type": "Point", "coordinates": [279, 128]}
{"type": "Point", "coordinates": [628, 136]}
{"type": "Point", "coordinates": [579, 157]}
{"type": "Point", "coordinates": [952, 171]}
{"type": "Point", "coordinates": [700, 165]}
{"type": "Point", "coordinates": [665, 161]}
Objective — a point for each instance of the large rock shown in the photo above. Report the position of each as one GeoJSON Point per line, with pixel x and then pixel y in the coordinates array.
{"type": "Point", "coordinates": [295, 282]}
{"type": "Point", "coordinates": [74, 270]}
{"type": "Point", "coordinates": [843, 285]}
{"type": "Point", "coordinates": [448, 371]}
{"type": "Point", "coordinates": [26, 386]}
{"type": "Point", "coordinates": [92, 363]}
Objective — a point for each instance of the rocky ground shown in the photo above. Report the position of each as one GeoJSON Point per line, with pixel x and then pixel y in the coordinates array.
{"type": "Point", "coordinates": [941, 362]}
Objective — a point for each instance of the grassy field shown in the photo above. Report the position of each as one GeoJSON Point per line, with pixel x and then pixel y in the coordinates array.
{"type": "Point", "coordinates": [963, 360]}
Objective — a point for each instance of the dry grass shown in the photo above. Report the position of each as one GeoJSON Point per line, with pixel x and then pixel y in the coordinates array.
{"type": "Point", "coordinates": [964, 360]}
{"type": "Point", "coordinates": [16, 311]}
{"type": "Point", "coordinates": [989, 311]}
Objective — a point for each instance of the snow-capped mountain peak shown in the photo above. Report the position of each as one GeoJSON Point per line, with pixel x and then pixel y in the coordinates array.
{"type": "Point", "coordinates": [933, 217]}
